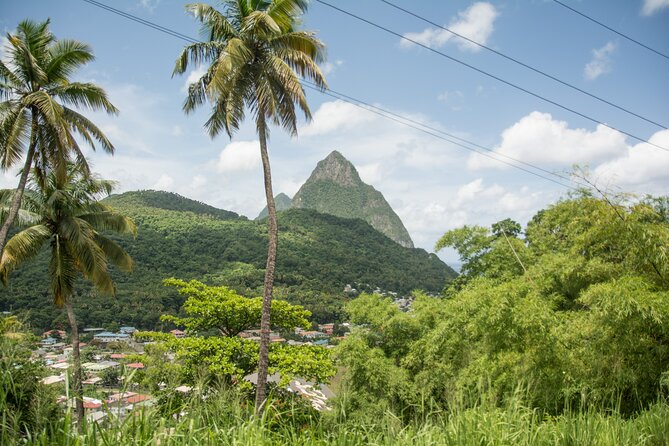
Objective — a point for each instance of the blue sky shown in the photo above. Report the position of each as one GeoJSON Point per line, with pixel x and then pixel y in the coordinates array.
{"type": "Point", "coordinates": [433, 185]}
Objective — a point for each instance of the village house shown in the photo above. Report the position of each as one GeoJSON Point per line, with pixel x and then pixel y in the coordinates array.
{"type": "Point", "coordinates": [106, 337]}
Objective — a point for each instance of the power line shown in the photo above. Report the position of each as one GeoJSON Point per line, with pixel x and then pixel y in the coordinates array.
{"type": "Point", "coordinates": [625, 36]}
{"type": "Point", "coordinates": [399, 119]}
{"type": "Point", "coordinates": [367, 106]}
{"type": "Point", "coordinates": [417, 125]}
{"type": "Point", "coordinates": [497, 78]}
{"type": "Point", "coordinates": [523, 64]}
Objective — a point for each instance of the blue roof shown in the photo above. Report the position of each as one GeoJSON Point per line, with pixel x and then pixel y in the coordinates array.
{"type": "Point", "coordinates": [108, 334]}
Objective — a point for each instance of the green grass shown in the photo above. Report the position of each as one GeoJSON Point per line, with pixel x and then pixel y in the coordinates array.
{"type": "Point", "coordinates": [226, 419]}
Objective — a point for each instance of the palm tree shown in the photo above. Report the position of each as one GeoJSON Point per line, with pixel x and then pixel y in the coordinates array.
{"type": "Point", "coordinates": [255, 56]}
{"type": "Point", "coordinates": [67, 215]}
{"type": "Point", "coordinates": [36, 112]}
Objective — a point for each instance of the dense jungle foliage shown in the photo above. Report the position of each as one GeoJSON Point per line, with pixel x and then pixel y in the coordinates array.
{"type": "Point", "coordinates": [318, 255]}
{"type": "Point", "coordinates": [573, 315]}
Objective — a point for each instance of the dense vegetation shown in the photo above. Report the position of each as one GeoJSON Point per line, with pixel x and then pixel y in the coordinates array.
{"type": "Point", "coordinates": [575, 315]}
{"type": "Point", "coordinates": [318, 255]}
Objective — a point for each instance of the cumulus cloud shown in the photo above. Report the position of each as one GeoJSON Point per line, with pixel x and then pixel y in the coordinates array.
{"type": "Point", "coordinates": [641, 165]}
{"type": "Point", "coordinates": [330, 67]}
{"type": "Point", "coordinates": [163, 183]}
{"type": "Point", "coordinates": [600, 63]}
{"type": "Point", "coordinates": [539, 139]}
{"type": "Point", "coordinates": [334, 117]}
{"type": "Point", "coordinates": [193, 77]}
{"type": "Point", "coordinates": [476, 23]}
{"type": "Point", "coordinates": [239, 156]}
{"type": "Point", "coordinates": [650, 7]}
{"type": "Point", "coordinates": [149, 5]}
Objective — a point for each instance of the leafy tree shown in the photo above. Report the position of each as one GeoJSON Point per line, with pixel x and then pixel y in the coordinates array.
{"type": "Point", "coordinates": [38, 107]}
{"type": "Point", "coordinates": [70, 219]}
{"type": "Point", "coordinates": [255, 55]}
{"type": "Point", "coordinates": [584, 323]}
{"type": "Point", "coordinates": [26, 405]}
{"type": "Point", "coordinates": [222, 309]}
{"type": "Point", "coordinates": [225, 356]}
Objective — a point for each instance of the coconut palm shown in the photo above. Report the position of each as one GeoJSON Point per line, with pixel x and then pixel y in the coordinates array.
{"type": "Point", "coordinates": [254, 55]}
{"type": "Point", "coordinates": [67, 216]}
{"type": "Point", "coordinates": [38, 119]}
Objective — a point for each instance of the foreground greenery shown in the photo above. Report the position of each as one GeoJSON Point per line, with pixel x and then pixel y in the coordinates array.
{"type": "Point", "coordinates": [577, 312]}
{"type": "Point", "coordinates": [28, 416]}
{"type": "Point", "coordinates": [180, 237]}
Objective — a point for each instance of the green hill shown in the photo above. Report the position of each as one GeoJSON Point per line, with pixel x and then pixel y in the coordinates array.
{"type": "Point", "coordinates": [318, 255]}
{"type": "Point", "coordinates": [281, 201]}
{"type": "Point", "coordinates": [335, 187]}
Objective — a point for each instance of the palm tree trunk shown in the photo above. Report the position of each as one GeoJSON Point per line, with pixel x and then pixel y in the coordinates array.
{"type": "Point", "coordinates": [263, 362]}
{"type": "Point", "coordinates": [16, 200]}
{"type": "Point", "coordinates": [76, 360]}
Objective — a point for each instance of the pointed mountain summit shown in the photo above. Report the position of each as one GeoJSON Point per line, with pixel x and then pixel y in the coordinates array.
{"type": "Point", "coordinates": [281, 202]}
{"type": "Point", "coordinates": [335, 188]}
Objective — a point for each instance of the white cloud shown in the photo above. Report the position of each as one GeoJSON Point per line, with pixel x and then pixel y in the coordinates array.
{"type": "Point", "coordinates": [450, 96]}
{"type": "Point", "coordinates": [642, 165]}
{"type": "Point", "coordinates": [476, 23]}
{"type": "Point", "coordinates": [163, 183]}
{"type": "Point", "coordinates": [198, 182]}
{"type": "Point", "coordinates": [193, 77]}
{"type": "Point", "coordinates": [177, 130]}
{"type": "Point", "coordinates": [650, 7]}
{"type": "Point", "coordinates": [335, 116]}
{"type": "Point", "coordinates": [600, 63]}
{"type": "Point", "coordinates": [329, 67]}
{"type": "Point", "coordinates": [539, 139]}
{"type": "Point", "coordinates": [149, 5]}
{"type": "Point", "coordinates": [371, 173]}
{"type": "Point", "coordinates": [239, 156]}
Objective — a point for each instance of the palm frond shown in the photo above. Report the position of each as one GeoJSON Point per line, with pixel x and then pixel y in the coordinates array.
{"type": "Point", "coordinates": [14, 135]}
{"type": "Point", "coordinates": [110, 221]}
{"type": "Point", "coordinates": [84, 95]}
{"type": "Point", "coordinates": [115, 254]}
{"type": "Point", "coordinates": [65, 56]}
{"type": "Point", "coordinates": [62, 271]}
{"type": "Point", "coordinates": [22, 247]}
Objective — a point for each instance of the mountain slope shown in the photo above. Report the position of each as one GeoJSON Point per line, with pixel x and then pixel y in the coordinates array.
{"type": "Point", "coordinates": [281, 201]}
{"type": "Point", "coordinates": [335, 188]}
{"type": "Point", "coordinates": [318, 255]}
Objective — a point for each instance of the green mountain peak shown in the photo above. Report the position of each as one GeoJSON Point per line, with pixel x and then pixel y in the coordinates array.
{"type": "Point", "coordinates": [335, 188]}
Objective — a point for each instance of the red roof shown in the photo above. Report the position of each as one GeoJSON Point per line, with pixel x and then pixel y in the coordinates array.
{"type": "Point", "coordinates": [91, 405]}
{"type": "Point", "coordinates": [135, 365]}
{"type": "Point", "coordinates": [138, 399]}
{"type": "Point", "coordinates": [117, 355]}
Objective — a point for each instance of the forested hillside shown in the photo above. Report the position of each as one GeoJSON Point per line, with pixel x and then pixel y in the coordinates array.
{"type": "Point", "coordinates": [318, 255]}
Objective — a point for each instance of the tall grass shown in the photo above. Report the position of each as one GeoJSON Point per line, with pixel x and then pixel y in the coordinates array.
{"type": "Point", "coordinates": [225, 418]}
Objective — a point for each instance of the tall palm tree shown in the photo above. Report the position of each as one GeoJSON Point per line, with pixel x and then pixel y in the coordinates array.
{"type": "Point", "coordinates": [255, 56]}
{"type": "Point", "coordinates": [38, 119]}
{"type": "Point", "coordinates": [67, 216]}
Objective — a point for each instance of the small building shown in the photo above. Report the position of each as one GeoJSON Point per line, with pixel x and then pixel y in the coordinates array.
{"type": "Point", "coordinates": [106, 337]}
{"type": "Point", "coordinates": [127, 330]}
{"type": "Point", "coordinates": [48, 342]}
{"type": "Point", "coordinates": [326, 328]}
{"type": "Point", "coordinates": [53, 379]}
{"type": "Point", "coordinates": [312, 334]}
{"type": "Point", "coordinates": [96, 380]}
{"type": "Point", "coordinates": [135, 365]}
{"type": "Point", "coordinates": [178, 333]}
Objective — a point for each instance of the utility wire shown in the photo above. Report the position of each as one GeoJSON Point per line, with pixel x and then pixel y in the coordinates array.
{"type": "Point", "coordinates": [611, 29]}
{"type": "Point", "coordinates": [523, 64]}
{"type": "Point", "coordinates": [436, 135]}
{"type": "Point", "coordinates": [417, 125]}
{"type": "Point", "coordinates": [367, 106]}
{"type": "Point", "coordinates": [497, 78]}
